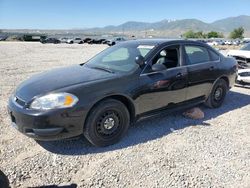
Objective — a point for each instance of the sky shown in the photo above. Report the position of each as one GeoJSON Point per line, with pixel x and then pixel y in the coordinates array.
{"type": "Point", "coordinates": [79, 14]}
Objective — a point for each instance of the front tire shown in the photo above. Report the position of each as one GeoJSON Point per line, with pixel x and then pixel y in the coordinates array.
{"type": "Point", "coordinates": [218, 94]}
{"type": "Point", "coordinates": [107, 123]}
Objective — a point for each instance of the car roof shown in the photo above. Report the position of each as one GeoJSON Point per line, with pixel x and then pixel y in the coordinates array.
{"type": "Point", "coordinates": [160, 41]}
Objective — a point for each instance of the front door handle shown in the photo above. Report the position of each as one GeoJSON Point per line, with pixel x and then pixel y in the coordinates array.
{"type": "Point", "coordinates": [179, 75]}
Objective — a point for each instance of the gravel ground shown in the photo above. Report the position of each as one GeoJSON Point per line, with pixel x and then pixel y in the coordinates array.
{"type": "Point", "coordinates": [164, 151]}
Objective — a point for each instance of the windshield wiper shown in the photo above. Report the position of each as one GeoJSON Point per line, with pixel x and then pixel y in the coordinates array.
{"type": "Point", "coordinates": [102, 68]}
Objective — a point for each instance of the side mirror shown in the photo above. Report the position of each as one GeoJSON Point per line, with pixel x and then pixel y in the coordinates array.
{"type": "Point", "coordinates": [158, 67]}
{"type": "Point", "coordinates": [140, 60]}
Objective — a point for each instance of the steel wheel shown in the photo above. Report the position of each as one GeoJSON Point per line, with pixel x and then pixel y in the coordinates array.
{"type": "Point", "coordinates": [107, 123]}
{"type": "Point", "coordinates": [218, 94]}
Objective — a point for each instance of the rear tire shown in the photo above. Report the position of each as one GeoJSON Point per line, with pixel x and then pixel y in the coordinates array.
{"type": "Point", "coordinates": [217, 95]}
{"type": "Point", "coordinates": [107, 123]}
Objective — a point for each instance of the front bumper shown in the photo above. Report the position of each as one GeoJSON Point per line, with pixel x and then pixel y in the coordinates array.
{"type": "Point", "coordinates": [51, 125]}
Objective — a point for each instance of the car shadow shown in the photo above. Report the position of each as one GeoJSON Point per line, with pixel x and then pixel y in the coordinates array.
{"type": "Point", "coordinates": [149, 129]}
{"type": "Point", "coordinates": [57, 186]}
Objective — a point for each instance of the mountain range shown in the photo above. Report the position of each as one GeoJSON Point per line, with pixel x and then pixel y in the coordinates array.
{"type": "Point", "coordinates": [177, 27]}
{"type": "Point", "coordinates": [164, 28]}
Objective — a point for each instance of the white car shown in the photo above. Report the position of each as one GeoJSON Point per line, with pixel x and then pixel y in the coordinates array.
{"type": "Point", "coordinates": [244, 51]}
{"type": "Point", "coordinates": [64, 40]}
{"type": "Point", "coordinates": [213, 43]}
{"type": "Point", "coordinates": [228, 42]}
{"type": "Point", "coordinates": [243, 58]}
{"type": "Point", "coordinates": [243, 77]}
{"type": "Point", "coordinates": [115, 41]}
{"type": "Point", "coordinates": [75, 40]}
{"type": "Point", "coordinates": [242, 55]}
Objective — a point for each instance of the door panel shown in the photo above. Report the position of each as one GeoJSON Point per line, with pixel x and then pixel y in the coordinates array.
{"type": "Point", "coordinates": [160, 89]}
{"type": "Point", "coordinates": [200, 79]}
{"type": "Point", "coordinates": [201, 71]}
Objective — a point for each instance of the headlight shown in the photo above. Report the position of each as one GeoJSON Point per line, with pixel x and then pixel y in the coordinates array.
{"type": "Point", "coordinates": [53, 101]}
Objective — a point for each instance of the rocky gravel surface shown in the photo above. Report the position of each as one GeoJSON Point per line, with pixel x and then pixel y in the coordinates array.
{"type": "Point", "coordinates": [163, 151]}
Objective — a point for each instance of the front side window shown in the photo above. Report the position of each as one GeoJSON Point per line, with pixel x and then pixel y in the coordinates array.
{"type": "Point", "coordinates": [196, 54]}
{"type": "Point", "coordinates": [168, 56]}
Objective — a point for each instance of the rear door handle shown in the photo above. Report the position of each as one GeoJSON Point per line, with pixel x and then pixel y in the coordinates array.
{"type": "Point", "coordinates": [179, 75]}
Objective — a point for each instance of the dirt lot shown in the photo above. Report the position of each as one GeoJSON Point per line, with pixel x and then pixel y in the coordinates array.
{"type": "Point", "coordinates": [165, 151]}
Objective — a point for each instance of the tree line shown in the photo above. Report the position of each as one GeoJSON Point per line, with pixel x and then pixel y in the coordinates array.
{"type": "Point", "coordinates": [237, 33]}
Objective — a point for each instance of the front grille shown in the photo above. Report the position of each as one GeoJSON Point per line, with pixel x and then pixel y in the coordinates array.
{"type": "Point", "coordinates": [19, 101]}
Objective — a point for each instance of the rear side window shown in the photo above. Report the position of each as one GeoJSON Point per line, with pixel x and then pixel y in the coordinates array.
{"type": "Point", "coordinates": [196, 54]}
{"type": "Point", "coordinates": [214, 56]}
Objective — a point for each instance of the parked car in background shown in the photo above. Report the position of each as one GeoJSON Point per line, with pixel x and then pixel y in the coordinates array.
{"type": "Point", "coordinates": [87, 40]}
{"type": "Point", "coordinates": [50, 40]}
{"type": "Point", "coordinates": [236, 42]}
{"type": "Point", "coordinates": [3, 38]}
{"type": "Point", "coordinates": [133, 79]}
{"type": "Point", "coordinates": [221, 42]}
{"type": "Point", "coordinates": [242, 55]}
{"type": "Point", "coordinates": [228, 42]}
{"type": "Point", "coordinates": [114, 41]}
{"type": "Point", "coordinates": [97, 41]}
{"type": "Point", "coordinates": [243, 58]}
{"type": "Point", "coordinates": [213, 43]}
{"type": "Point", "coordinates": [75, 40]}
{"type": "Point", "coordinates": [245, 41]}
{"type": "Point", "coordinates": [64, 40]}
{"type": "Point", "coordinates": [243, 77]}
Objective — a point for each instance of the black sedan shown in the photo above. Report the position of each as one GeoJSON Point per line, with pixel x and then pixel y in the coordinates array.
{"type": "Point", "coordinates": [103, 96]}
{"type": "Point", "coordinates": [50, 40]}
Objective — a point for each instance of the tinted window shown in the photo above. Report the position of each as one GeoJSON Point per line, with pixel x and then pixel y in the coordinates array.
{"type": "Point", "coordinates": [168, 57]}
{"type": "Point", "coordinates": [117, 55]}
{"type": "Point", "coordinates": [214, 56]}
{"type": "Point", "coordinates": [145, 49]}
{"type": "Point", "coordinates": [196, 54]}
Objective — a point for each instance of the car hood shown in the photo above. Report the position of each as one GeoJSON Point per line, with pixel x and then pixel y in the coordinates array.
{"type": "Point", "coordinates": [242, 53]}
{"type": "Point", "coordinates": [59, 78]}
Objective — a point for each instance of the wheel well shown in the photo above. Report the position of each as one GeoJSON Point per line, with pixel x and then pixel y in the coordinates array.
{"type": "Point", "coordinates": [124, 100]}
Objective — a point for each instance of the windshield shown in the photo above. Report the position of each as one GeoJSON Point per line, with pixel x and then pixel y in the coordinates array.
{"type": "Point", "coordinates": [119, 58]}
{"type": "Point", "coordinates": [246, 47]}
